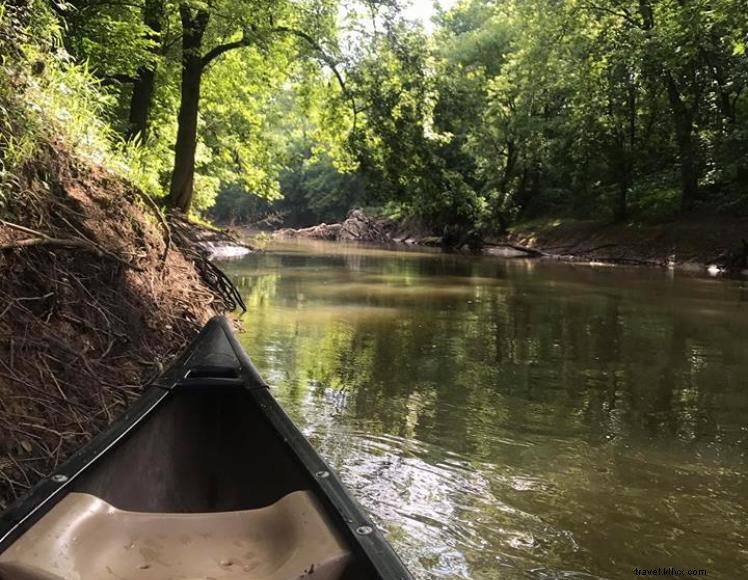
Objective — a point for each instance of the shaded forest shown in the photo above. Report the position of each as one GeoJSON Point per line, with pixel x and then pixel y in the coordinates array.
{"type": "Point", "coordinates": [505, 110]}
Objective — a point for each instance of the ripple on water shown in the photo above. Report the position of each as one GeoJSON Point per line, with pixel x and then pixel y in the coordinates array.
{"type": "Point", "coordinates": [438, 506]}
{"type": "Point", "coordinates": [531, 419]}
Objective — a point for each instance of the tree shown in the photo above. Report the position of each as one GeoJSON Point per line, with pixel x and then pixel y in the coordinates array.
{"type": "Point", "coordinates": [122, 43]}
{"type": "Point", "coordinates": [606, 109]}
{"type": "Point", "coordinates": [255, 24]}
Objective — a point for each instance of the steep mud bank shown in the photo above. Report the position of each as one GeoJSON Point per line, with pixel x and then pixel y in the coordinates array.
{"type": "Point", "coordinates": [97, 294]}
{"type": "Point", "coordinates": [713, 245]}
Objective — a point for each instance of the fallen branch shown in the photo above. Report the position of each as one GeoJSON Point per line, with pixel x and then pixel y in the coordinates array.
{"type": "Point", "coordinates": [526, 249]}
{"type": "Point", "coordinates": [42, 239]}
{"type": "Point", "coordinates": [67, 243]}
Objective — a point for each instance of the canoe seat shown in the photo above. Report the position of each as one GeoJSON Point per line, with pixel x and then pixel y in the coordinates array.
{"type": "Point", "coordinates": [85, 538]}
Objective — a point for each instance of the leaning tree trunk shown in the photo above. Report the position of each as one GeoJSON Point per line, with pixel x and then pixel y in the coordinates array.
{"type": "Point", "coordinates": [182, 178]}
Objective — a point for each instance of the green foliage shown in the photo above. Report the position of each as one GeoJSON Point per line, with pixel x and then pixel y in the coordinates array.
{"type": "Point", "coordinates": [656, 202]}
{"type": "Point", "coordinates": [605, 109]}
{"type": "Point", "coordinates": [47, 96]}
{"type": "Point", "coordinates": [20, 125]}
{"type": "Point", "coordinates": [315, 191]}
{"type": "Point", "coordinates": [235, 205]}
{"type": "Point", "coordinates": [113, 37]}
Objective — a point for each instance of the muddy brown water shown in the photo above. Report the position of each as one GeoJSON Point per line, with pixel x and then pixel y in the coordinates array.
{"type": "Point", "coordinates": [512, 418]}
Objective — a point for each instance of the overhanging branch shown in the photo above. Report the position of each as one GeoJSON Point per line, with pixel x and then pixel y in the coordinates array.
{"type": "Point", "coordinates": [223, 48]}
{"type": "Point", "coordinates": [331, 63]}
{"type": "Point", "coordinates": [327, 59]}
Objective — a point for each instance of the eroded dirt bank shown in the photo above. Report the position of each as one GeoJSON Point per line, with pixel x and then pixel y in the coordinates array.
{"type": "Point", "coordinates": [697, 244]}
{"type": "Point", "coordinates": [708, 244]}
{"type": "Point", "coordinates": [97, 294]}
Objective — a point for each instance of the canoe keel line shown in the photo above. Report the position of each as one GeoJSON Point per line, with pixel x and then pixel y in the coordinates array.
{"type": "Point", "coordinates": [203, 477]}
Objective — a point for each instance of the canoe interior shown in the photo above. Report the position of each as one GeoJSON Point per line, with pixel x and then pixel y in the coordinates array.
{"type": "Point", "coordinates": [207, 437]}
{"type": "Point", "coordinates": [202, 450]}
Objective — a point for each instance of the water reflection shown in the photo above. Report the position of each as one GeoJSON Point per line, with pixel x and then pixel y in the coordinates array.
{"type": "Point", "coordinates": [513, 419]}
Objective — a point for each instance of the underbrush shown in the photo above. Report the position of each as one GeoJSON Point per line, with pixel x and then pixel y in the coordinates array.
{"type": "Point", "coordinates": [45, 95]}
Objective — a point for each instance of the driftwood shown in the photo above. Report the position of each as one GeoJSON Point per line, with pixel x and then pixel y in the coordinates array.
{"type": "Point", "coordinates": [526, 249]}
{"type": "Point", "coordinates": [357, 227]}
{"type": "Point", "coordinates": [613, 260]}
{"type": "Point", "coordinates": [319, 232]}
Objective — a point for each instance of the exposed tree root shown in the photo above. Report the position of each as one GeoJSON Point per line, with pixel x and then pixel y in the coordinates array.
{"type": "Point", "coordinates": [191, 241]}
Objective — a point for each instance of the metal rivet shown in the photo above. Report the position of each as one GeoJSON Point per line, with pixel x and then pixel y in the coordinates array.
{"type": "Point", "coordinates": [322, 474]}
{"type": "Point", "coordinates": [364, 530]}
{"type": "Point", "coordinates": [59, 478]}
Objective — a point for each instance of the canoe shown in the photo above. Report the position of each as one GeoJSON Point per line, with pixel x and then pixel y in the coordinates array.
{"type": "Point", "coordinates": [203, 477]}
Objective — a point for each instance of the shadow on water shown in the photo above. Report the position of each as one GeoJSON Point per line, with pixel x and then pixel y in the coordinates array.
{"type": "Point", "coordinates": [516, 419]}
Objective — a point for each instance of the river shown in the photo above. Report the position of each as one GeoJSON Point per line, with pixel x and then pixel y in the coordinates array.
{"type": "Point", "coordinates": [515, 418]}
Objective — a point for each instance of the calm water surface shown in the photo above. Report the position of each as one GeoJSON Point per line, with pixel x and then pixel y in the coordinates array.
{"type": "Point", "coordinates": [516, 419]}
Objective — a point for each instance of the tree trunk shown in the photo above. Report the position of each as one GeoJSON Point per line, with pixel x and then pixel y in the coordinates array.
{"type": "Point", "coordinates": [140, 104]}
{"type": "Point", "coordinates": [511, 161]}
{"type": "Point", "coordinates": [182, 179]}
{"type": "Point", "coordinates": [621, 211]}
{"type": "Point", "coordinates": [683, 117]}
{"type": "Point", "coordinates": [145, 82]}
{"type": "Point", "coordinates": [628, 145]}
{"type": "Point", "coordinates": [522, 195]}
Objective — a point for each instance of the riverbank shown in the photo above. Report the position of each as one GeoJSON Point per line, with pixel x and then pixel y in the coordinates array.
{"type": "Point", "coordinates": [707, 244]}
{"type": "Point", "coordinates": [711, 244]}
{"type": "Point", "coordinates": [98, 292]}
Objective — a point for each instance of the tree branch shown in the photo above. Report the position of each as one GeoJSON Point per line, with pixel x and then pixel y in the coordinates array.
{"type": "Point", "coordinates": [42, 239]}
{"type": "Point", "coordinates": [328, 60]}
{"type": "Point", "coordinates": [625, 14]}
{"type": "Point", "coordinates": [222, 48]}
{"type": "Point", "coordinates": [66, 243]}
{"type": "Point", "coordinates": [118, 79]}
{"type": "Point", "coordinates": [324, 57]}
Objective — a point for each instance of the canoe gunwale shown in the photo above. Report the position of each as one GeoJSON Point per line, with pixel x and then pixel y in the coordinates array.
{"type": "Point", "coordinates": [352, 521]}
